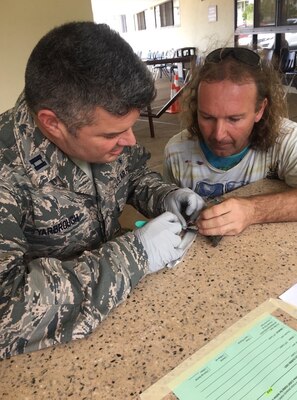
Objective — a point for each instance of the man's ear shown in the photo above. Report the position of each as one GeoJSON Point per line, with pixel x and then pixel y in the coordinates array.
{"type": "Point", "coordinates": [261, 110]}
{"type": "Point", "coordinates": [49, 123]}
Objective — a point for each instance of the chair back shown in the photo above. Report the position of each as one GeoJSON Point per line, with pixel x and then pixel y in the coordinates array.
{"type": "Point", "coordinates": [288, 63]}
{"type": "Point", "coordinates": [158, 54]}
{"type": "Point", "coordinates": [185, 51]}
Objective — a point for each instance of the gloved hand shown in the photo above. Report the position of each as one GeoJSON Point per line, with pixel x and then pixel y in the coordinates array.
{"type": "Point", "coordinates": [184, 201]}
{"type": "Point", "coordinates": [160, 239]}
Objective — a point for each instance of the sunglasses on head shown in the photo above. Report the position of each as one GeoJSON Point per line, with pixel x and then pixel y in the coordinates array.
{"type": "Point", "coordinates": [242, 54]}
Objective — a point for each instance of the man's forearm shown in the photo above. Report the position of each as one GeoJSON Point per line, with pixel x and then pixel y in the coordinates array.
{"type": "Point", "coordinates": [275, 207]}
{"type": "Point", "coordinates": [58, 301]}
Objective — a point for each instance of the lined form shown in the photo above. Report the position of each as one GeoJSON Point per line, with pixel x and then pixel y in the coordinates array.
{"type": "Point", "coordinates": [261, 364]}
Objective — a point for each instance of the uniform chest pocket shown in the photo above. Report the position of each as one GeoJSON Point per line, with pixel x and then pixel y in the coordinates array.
{"type": "Point", "coordinates": [62, 225]}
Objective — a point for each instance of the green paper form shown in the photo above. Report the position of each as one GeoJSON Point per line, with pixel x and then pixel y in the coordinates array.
{"type": "Point", "coordinates": [259, 365]}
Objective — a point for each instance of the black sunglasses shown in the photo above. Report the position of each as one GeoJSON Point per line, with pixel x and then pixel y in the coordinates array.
{"type": "Point", "coordinates": [242, 54]}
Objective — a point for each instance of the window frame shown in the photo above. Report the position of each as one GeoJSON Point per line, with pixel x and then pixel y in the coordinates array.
{"type": "Point", "coordinates": [278, 27]}
{"type": "Point", "coordinates": [140, 21]}
{"type": "Point", "coordinates": [164, 14]}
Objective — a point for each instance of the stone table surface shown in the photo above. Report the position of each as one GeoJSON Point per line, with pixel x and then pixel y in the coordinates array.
{"type": "Point", "coordinates": [167, 318]}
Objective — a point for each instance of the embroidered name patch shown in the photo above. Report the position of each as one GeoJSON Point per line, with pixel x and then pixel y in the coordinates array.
{"type": "Point", "coordinates": [65, 224]}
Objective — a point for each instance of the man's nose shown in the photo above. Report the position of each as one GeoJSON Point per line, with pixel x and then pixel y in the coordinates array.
{"type": "Point", "coordinates": [127, 138]}
{"type": "Point", "coordinates": [219, 131]}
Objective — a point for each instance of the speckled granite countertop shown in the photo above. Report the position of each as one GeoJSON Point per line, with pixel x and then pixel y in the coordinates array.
{"type": "Point", "coordinates": [168, 317]}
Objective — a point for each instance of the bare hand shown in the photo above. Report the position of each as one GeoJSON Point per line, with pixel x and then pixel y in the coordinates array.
{"type": "Point", "coordinates": [230, 217]}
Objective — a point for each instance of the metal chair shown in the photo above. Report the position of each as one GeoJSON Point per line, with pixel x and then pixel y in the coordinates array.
{"type": "Point", "coordinates": [173, 67]}
{"type": "Point", "coordinates": [160, 69]}
{"type": "Point", "coordinates": [182, 52]}
{"type": "Point", "coordinates": [288, 69]}
{"type": "Point", "coordinates": [186, 51]}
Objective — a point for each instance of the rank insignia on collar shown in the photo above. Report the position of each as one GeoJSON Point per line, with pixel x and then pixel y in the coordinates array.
{"type": "Point", "coordinates": [38, 163]}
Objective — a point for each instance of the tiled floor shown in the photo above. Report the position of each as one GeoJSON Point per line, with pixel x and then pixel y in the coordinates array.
{"type": "Point", "coordinates": [165, 127]}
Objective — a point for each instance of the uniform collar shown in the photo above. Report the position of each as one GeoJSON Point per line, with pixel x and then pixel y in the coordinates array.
{"type": "Point", "coordinates": [43, 160]}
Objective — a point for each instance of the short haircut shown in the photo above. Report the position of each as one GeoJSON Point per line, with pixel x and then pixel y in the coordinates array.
{"type": "Point", "coordinates": [79, 66]}
{"type": "Point", "coordinates": [269, 86]}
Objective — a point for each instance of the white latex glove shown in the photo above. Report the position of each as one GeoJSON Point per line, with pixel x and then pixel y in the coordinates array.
{"type": "Point", "coordinates": [160, 239]}
{"type": "Point", "coordinates": [184, 201]}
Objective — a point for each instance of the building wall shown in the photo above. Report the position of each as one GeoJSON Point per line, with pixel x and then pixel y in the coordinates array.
{"type": "Point", "coordinates": [195, 30]}
{"type": "Point", "coordinates": [22, 24]}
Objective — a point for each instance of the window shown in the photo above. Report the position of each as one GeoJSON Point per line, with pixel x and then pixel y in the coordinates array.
{"type": "Point", "coordinates": [266, 13]}
{"type": "Point", "coordinates": [140, 21]}
{"type": "Point", "coordinates": [167, 14]}
{"type": "Point", "coordinates": [123, 23]}
{"type": "Point", "coordinates": [266, 23]}
{"type": "Point", "coordinates": [289, 12]}
{"type": "Point", "coordinates": [245, 13]}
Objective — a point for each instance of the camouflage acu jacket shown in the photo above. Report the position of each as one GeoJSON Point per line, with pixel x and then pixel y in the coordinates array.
{"type": "Point", "coordinates": [63, 265]}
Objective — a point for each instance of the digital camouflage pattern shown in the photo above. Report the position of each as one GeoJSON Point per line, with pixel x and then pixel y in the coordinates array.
{"type": "Point", "coordinates": [63, 265]}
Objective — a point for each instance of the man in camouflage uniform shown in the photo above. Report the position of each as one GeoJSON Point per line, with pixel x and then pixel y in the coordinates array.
{"type": "Point", "coordinates": [69, 164]}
